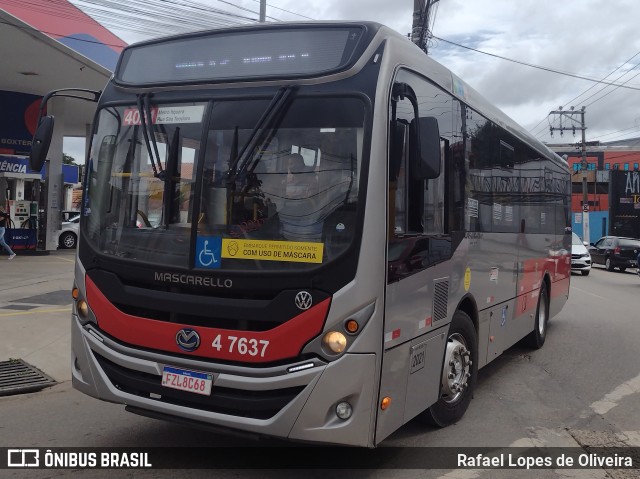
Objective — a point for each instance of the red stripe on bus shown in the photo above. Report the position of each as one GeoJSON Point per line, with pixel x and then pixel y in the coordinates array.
{"type": "Point", "coordinates": [284, 341]}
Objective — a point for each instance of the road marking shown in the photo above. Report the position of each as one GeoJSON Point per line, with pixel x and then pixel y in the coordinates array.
{"type": "Point", "coordinates": [611, 400]}
{"type": "Point", "coordinates": [589, 293]}
{"type": "Point", "coordinates": [66, 259]}
{"type": "Point", "coordinates": [22, 313]}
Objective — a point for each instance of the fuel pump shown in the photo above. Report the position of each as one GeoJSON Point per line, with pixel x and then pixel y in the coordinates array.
{"type": "Point", "coordinates": [22, 230]}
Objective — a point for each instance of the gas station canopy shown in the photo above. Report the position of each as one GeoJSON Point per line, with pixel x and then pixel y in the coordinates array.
{"type": "Point", "coordinates": [51, 44]}
{"type": "Point", "coordinates": [45, 45]}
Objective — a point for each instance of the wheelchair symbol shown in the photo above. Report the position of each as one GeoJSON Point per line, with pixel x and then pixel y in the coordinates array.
{"type": "Point", "coordinates": [206, 256]}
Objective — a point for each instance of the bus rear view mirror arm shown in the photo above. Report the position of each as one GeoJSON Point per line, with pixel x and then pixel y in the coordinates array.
{"type": "Point", "coordinates": [44, 132]}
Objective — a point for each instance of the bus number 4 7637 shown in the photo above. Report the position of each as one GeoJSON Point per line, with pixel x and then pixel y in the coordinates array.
{"type": "Point", "coordinates": [240, 345]}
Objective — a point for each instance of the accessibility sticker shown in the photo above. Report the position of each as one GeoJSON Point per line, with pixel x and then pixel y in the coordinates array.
{"type": "Point", "coordinates": [208, 251]}
{"type": "Point", "coordinates": [266, 250]}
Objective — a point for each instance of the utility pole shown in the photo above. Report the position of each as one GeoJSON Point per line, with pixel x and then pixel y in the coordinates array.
{"type": "Point", "coordinates": [417, 16]}
{"type": "Point", "coordinates": [422, 14]}
{"type": "Point", "coordinates": [569, 115]}
{"type": "Point", "coordinates": [263, 10]}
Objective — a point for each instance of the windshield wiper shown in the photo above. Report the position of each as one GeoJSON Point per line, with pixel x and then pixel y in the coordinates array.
{"type": "Point", "coordinates": [259, 134]}
{"type": "Point", "coordinates": [145, 112]}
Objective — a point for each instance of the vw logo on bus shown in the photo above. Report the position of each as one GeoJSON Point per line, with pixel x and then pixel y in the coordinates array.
{"type": "Point", "coordinates": [188, 339]}
{"type": "Point", "coordinates": [304, 300]}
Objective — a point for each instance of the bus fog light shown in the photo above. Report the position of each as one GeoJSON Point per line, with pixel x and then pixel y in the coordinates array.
{"type": "Point", "coordinates": [335, 341]}
{"type": "Point", "coordinates": [344, 410]}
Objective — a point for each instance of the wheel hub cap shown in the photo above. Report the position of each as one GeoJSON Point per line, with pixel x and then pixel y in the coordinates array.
{"type": "Point", "coordinates": [456, 371]}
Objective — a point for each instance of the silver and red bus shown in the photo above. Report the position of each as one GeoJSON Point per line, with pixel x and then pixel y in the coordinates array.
{"type": "Point", "coordinates": [310, 231]}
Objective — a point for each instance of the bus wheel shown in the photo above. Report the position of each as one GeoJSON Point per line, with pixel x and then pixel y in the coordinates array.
{"type": "Point", "coordinates": [536, 338]}
{"type": "Point", "coordinates": [459, 373]}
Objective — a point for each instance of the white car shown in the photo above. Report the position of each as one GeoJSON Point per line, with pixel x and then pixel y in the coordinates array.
{"type": "Point", "coordinates": [580, 257]}
{"type": "Point", "coordinates": [68, 237]}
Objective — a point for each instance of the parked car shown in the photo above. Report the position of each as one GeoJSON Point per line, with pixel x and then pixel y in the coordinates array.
{"type": "Point", "coordinates": [66, 215]}
{"type": "Point", "coordinates": [615, 252]}
{"type": "Point", "coordinates": [68, 237]}
{"type": "Point", "coordinates": [580, 257]}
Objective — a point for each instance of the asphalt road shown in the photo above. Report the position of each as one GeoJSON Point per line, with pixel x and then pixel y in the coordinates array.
{"type": "Point", "coordinates": [581, 389]}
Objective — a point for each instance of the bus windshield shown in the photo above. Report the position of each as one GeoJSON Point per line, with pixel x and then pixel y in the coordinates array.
{"type": "Point", "coordinates": [212, 185]}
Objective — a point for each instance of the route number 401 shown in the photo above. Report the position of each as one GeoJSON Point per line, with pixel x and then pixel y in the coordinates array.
{"type": "Point", "coordinates": [242, 346]}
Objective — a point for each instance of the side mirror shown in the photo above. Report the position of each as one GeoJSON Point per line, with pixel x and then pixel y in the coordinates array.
{"type": "Point", "coordinates": [585, 243]}
{"type": "Point", "coordinates": [425, 164]}
{"type": "Point", "coordinates": [41, 142]}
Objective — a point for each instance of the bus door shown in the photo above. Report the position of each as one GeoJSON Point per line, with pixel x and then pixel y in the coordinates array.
{"type": "Point", "coordinates": [533, 244]}
{"type": "Point", "coordinates": [418, 264]}
{"type": "Point", "coordinates": [501, 250]}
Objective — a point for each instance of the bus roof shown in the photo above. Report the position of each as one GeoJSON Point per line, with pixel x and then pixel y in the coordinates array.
{"type": "Point", "coordinates": [291, 51]}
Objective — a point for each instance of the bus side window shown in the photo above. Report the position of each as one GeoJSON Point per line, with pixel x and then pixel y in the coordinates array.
{"type": "Point", "coordinates": [418, 190]}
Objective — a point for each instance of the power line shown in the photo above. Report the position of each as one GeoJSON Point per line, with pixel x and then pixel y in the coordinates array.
{"type": "Point", "coordinates": [634, 127]}
{"type": "Point", "coordinates": [582, 77]}
{"type": "Point", "coordinates": [287, 11]}
{"type": "Point", "coordinates": [573, 75]}
{"type": "Point", "coordinates": [246, 9]}
{"type": "Point", "coordinates": [595, 84]}
{"type": "Point", "coordinates": [537, 133]}
{"type": "Point", "coordinates": [611, 91]}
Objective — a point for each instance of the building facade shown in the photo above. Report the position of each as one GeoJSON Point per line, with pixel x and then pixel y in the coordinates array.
{"type": "Point", "coordinates": [611, 170]}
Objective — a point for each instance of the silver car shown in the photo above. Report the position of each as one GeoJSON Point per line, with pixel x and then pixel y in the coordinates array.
{"type": "Point", "coordinates": [68, 237]}
{"type": "Point", "coordinates": [580, 257]}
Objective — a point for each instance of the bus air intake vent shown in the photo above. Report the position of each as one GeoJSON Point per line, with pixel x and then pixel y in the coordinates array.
{"type": "Point", "coordinates": [440, 299]}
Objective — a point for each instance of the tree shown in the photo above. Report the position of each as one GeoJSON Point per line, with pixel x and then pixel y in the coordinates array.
{"type": "Point", "coordinates": [68, 160]}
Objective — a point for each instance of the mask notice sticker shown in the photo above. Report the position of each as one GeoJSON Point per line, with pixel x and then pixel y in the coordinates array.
{"type": "Point", "coordinates": [266, 250]}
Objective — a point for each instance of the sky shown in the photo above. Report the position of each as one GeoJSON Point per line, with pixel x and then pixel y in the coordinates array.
{"type": "Point", "coordinates": [585, 38]}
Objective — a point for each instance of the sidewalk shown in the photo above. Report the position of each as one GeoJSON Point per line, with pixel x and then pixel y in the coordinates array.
{"type": "Point", "coordinates": [35, 311]}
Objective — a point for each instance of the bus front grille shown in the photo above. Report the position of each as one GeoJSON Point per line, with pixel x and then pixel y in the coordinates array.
{"type": "Point", "coordinates": [235, 402]}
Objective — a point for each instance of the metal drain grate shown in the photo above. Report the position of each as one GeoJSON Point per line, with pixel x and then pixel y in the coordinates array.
{"type": "Point", "coordinates": [18, 377]}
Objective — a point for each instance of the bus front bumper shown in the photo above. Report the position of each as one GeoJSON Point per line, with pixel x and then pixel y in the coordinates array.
{"type": "Point", "coordinates": [266, 401]}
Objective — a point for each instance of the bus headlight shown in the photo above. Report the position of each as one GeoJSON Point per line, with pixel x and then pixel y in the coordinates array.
{"type": "Point", "coordinates": [83, 309]}
{"type": "Point", "coordinates": [334, 342]}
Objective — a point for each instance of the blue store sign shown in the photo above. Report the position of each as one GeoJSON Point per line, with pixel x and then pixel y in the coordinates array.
{"type": "Point", "coordinates": [13, 164]}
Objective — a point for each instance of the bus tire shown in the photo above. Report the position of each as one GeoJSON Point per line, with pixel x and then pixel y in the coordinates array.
{"type": "Point", "coordinates": [459, 372]}
{"type": "Point", "coordinates": [537, 337]}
